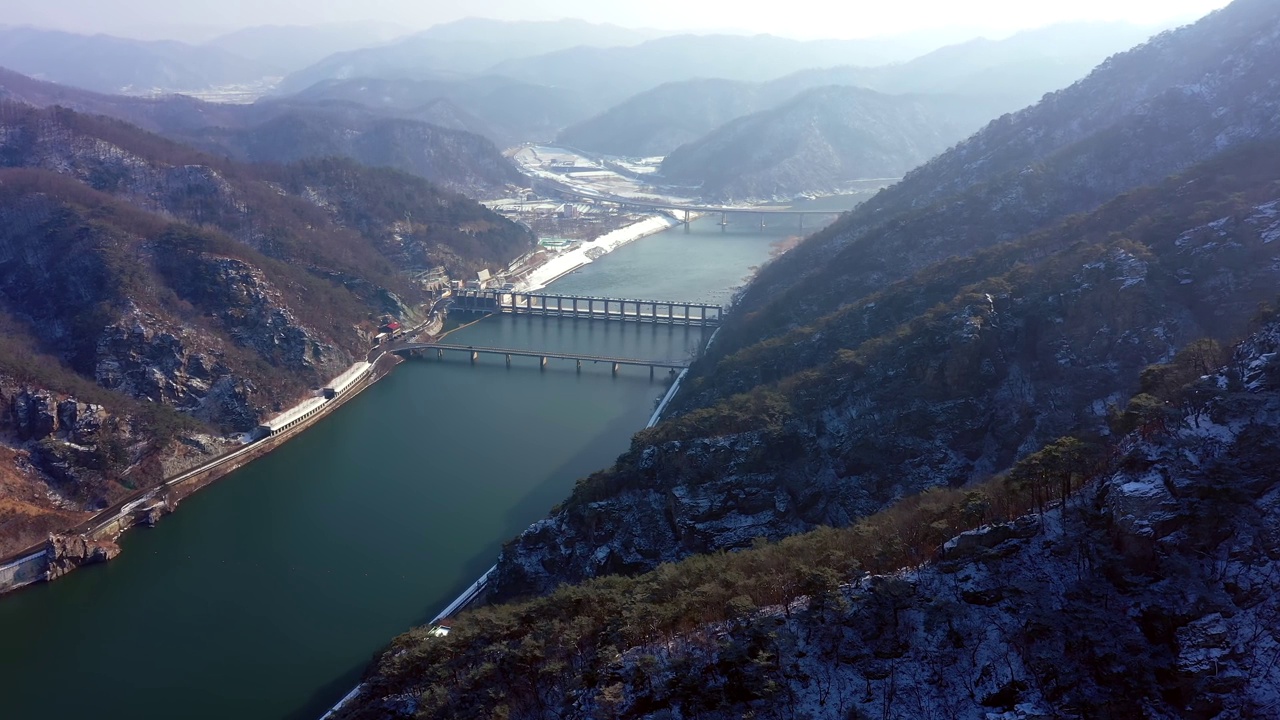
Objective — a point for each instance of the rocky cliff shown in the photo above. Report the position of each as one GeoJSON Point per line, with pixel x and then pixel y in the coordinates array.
{"type": "Point", "coordinates": [941, 379]}
{"type": "Point", "coordinates": [1150, 591]}
{"type": "Point", "coordinates": [153, 298]}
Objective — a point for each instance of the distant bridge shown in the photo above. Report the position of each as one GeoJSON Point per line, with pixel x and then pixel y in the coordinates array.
{"type": "Point", "coordinates": [689, 209]}
{"type": "Point", "coordinates": [586, 307]}
{"type": "Point", "coordinates": [475, 351]}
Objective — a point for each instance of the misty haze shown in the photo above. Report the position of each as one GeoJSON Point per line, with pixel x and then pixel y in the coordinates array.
{"type": "Point", "coordinates": [575, 360]}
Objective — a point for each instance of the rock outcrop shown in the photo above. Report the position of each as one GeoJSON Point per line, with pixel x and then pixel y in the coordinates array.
{"type": "Point", "coordinates": [68, 552]}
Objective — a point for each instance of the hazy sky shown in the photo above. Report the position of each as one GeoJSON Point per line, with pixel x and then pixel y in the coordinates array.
{"type": "Point", "coordinates": [796, 18]}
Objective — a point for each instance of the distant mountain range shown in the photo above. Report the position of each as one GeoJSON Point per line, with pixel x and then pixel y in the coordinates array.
{"type": "Point", "coordinates": [505, 110]}
{"type": "Point", "coordinates": [820, 141]}
{"type": "Point", "coordinates": [285, 49]}
{"type": "Point", "coordinates": [289, 130]}
{"type": "Point", "coordinates": [118, 65]}
{"type": "Point", "coordinates": [1002, 76]}
{"type": "Point", "coordinates": [464, 47]}
{"type": "Point", "coordinates": [612, 74]}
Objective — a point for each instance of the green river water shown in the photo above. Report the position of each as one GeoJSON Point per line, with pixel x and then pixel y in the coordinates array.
{"type": "Point", "coordinates": [265, 595]}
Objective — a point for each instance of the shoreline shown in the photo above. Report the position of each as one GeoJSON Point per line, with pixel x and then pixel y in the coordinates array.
{"type": "Point", "coordinates": [96, 537]}
{"type": "Point", "coordinates": [566, 262]}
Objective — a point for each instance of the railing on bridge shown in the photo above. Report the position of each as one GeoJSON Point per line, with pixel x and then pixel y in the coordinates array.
{"type": "Point", "coordinates": [586, 307]}
{"type": "Point", "coordinates": [439, 349]}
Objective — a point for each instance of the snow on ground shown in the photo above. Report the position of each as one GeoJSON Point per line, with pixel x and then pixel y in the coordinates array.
{"type": "Point", "coordinates": [583, 253]}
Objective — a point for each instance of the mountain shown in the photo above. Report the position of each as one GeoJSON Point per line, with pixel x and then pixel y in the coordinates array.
{"type": "Point", "coordinates": [508, 111]}
{"type": "Point", "coordinates": [457, 159]}
{"type": "Point", "coordinates": [939, 378]}
{"type": "Point", "coordinates": [289, 48]}
{"type": "Point", "coordinates": [998, 297]}
{"type": "Point", "coordinates": [469, 46]}
{"type": "Point", "coordinates": [154, 298]}
{"type": "Point", "coordinates": [118, 65]}
{"type": "Point", "coordinates": [820, 142]}
{"type": "Point", "coordinates": [612, 74]}
{"type": "Point", "coordinates": [1004, 75]}
{"type": "Point", "coordinates": [1144, 588]}
{"type": "Point", "coordinates": [288, 130]}
{"type": "Point", "coordinates": [976, 450]}
{"type": "Point", "coordinates": [657, 121]}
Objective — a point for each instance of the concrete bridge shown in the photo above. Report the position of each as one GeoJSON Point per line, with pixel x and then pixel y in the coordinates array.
{"type": "Point", "coordinates": [689, 209]}
{"type": "Point", "coordinates": [585, 307]}
{"type": "Point", "coordinates": [543, 357]}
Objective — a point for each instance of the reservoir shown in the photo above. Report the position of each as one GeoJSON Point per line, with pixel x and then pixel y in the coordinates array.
{"type": "Point", "coordinates": [267, 594]}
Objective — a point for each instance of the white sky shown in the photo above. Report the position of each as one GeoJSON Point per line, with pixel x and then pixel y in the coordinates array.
{"type": "Point", "coordinates": [794, 18]}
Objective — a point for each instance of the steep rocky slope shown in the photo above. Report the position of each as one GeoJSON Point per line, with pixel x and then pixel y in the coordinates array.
{"type": "Point", "coordinates": [153, 298]}
{"type": "Point", "coordinates": [940, 379]}
{"type": "Point", "coordinates": [821, 141]}
{"type": "Point", "coordinates": [865, 364]}
{"type": "Point", "coordinates": [1149, 592]}
{"type": "Point", "coordinates": [1140, 116]}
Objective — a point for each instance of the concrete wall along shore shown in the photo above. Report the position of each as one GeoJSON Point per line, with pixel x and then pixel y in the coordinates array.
{"type": "Point", "coordinates": [94, 540]}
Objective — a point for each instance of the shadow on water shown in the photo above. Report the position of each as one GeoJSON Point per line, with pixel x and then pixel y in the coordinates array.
{"type": "Point", "coordinates": [535, 504]}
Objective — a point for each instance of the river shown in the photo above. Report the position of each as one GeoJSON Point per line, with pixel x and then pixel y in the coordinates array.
{"type": "Point", "coordinates": [265, 595]}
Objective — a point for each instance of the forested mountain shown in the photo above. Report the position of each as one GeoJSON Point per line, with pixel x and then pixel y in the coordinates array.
{"type": "Point", "coordinates": [455, 158]}
{"type": "Point", "coordinates": [816, 311]}
{"type": "Point", "coordinates": [289, 48]}
{"type": "Point", "coordinates": [469, 46]}
{"type": "Point", "coordinates": [972, 345]}
{"type": "Point", "coordinates": [115, 65]}
{"type": "Point", "coordinates": [820, 142]}
{"type": "Point", "coordinates": [609, 75]}
{"type": "Point", "coordinates": [507, 111]}
{"type": "Point", "coordinates": [151, 294]}
{"type": "Point", "coordinates": [998, 76]}
{"type": "Point", "coordinates": [287, 130]}
{"type": "Point", "coordinates": [1138, 581]}
{"type": "Point", "coordinates": [657, 121]}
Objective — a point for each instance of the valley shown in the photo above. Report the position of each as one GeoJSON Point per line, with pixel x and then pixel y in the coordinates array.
{"type": "Point", "coordinates": [751, 376]}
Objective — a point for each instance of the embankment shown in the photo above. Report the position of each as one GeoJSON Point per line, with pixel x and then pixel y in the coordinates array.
{"type": "Point", "coordinates": [585, 253]}
{"type": "Point", "coordinates": [94, 541]}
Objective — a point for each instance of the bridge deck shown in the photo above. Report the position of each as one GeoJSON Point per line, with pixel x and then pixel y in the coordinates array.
{"type": "Point", "coordinates": [673, 364]}
{"type": "Point", "coordinates": [589, 307]}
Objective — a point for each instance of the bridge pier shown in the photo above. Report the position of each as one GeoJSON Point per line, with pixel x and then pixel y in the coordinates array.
{"type": "Point", "coordinates": [724, 221]}
{"type": "Point", "coordinates": [761, 222]}
{"type": "Point", "coordinates": [615, 368]}
{"type": "Point", "coordinates": [579, 367]}
{"type": "Point", "coordinates": [686, 217]}
{"type": "Point", "coordinates": [508, 361]}
{"type": "Point", "coordinates": [474, 357]}
{"type": "Point", "coordinates": [543, 364]}
{"type": "Point", "coordinates": [801, 222]}
{"type": "Point", "coordinates": [440, 355]}
{"type": "Point", "coordinates": [650, 373]}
